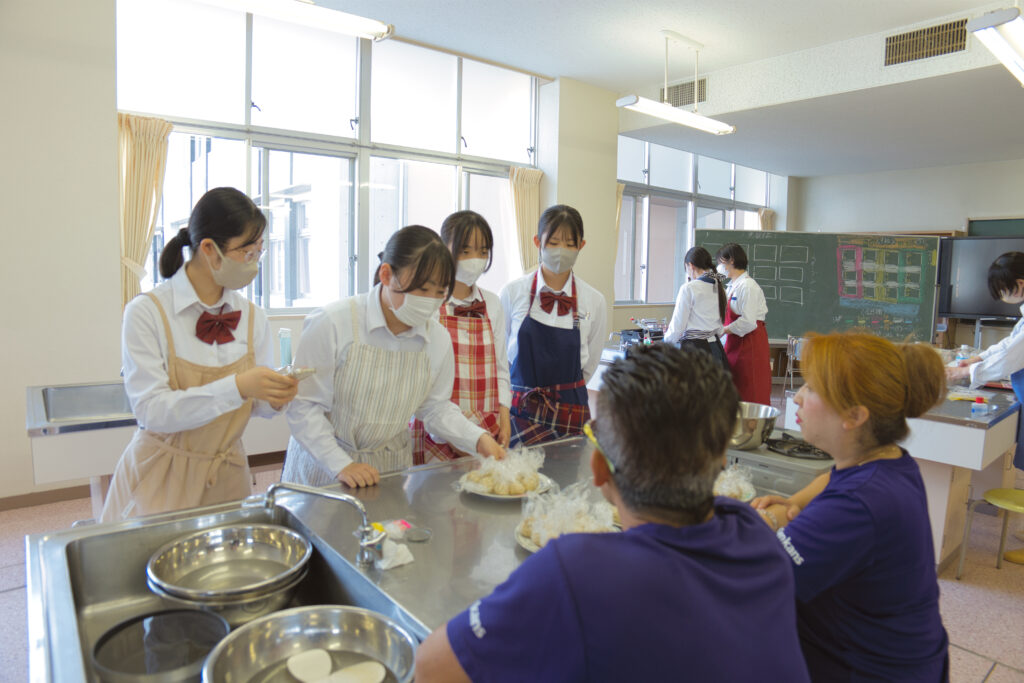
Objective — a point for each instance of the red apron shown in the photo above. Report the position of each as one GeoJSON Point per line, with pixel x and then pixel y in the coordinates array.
{"type": "Point", "coordinates": [475, 390]}
{"type": "Point", "coordinates": [749, 359]}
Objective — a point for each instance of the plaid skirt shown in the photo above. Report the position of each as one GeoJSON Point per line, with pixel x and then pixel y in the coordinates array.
{"type": "Point", "coordinates": [538, 415]}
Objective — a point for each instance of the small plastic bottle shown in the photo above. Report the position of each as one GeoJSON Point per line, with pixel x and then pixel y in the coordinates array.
{"type": "Point", "coordinates": [979, 408]}
{"type": "Point", "coordinates": [285, 336]}
{"type": "Point", "coordinates": [963, 353]}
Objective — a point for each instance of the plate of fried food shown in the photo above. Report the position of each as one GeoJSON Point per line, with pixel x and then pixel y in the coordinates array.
{"type": "Point", "coordinates": [573, 510]}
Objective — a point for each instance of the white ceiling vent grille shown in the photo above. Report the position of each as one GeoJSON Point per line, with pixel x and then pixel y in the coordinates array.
{"type": "Point", "coordinates": [926, 42]}
{"type": "Point", "coordinates": [682, 95]}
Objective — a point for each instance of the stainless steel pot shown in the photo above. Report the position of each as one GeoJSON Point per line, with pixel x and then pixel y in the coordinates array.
{"type": "Point", "coordinates": [229, 562]}
{"type": "Point", "coordinates": [348, 633]}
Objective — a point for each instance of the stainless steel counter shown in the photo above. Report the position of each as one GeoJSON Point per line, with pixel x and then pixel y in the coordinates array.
{"type": "Point", "coordinates": [1001, 406]}
{"type": "Point", "coordinates": [471, 549]}
{"type": "Point", "coordinates": [64, 408]}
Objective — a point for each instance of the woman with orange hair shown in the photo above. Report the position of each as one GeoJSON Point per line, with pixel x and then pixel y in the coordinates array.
{"type": "Point", "coordinates": [859, 536]}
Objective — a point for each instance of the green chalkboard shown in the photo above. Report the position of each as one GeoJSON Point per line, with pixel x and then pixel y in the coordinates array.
{"type": "Point", "coordinates": [825, 282]}
{"type": "Point", "coordinates": [996, 227]}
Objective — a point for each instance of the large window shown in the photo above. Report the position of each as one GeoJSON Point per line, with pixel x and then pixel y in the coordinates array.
{"type": "Point", "coordinates": [669, 194]}
{"type": "Point", "coordinates": [336, 164]}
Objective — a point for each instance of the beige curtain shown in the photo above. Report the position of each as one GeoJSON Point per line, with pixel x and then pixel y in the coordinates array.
{"type": "Point", "coordinates": [619, 187]}
{"type": "Point", "coordinates": [766, 219]}
{"type": "Point", "coordinates": [142, 158]}
{"type": "Point", "coordinates": [525, 184]}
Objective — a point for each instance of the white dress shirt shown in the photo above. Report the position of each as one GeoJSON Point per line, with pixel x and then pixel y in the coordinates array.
{"type": "Point", "coordinates": [324, 345]}
{"type": "Point", "coordinates": [1002, 359]}
{"type": "Point", "coordinates": [497, 318]}
{"type": "Point", "coordinates": [515, 299]}
{"type": "Point", "coordinates": [696, 310]}
{"type": "Point", "coordinates": [144, 355]}
{"type": "Point", "coordinates": [747, 301]}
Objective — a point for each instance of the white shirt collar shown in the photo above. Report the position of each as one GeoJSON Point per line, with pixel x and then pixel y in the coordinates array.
{"type": "Point", "coordinates": [738, 280]}
{"type": "Point", "coordinates": [474, 295]}
{"type": "Point", "coordinates": [375, 317]}
{"type": "Point", "coordinates": [566, 288]}
{"type": "Point", "coordinates": [185, 294]}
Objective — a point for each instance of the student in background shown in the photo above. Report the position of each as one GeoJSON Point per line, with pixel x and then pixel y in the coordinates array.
{"type": "Point", "coordinates": [700, 307]}
{"type": "Point", "coordinates": [1005, 358]}
{"type": "Point", "coordinates": [557, 327]}
{"type": "Point", "coordinates": [695, 588]}
{"type": "Point", "coordinates": [859, 537]}
{"type": "Point", "coordinates": [476, 323]}
{"type": "Point", "coordinates": [746, 343]}
{"type": "Point", "coordinates": [380, 358]}
{"type": "Point", "coordinates": [195, 353]}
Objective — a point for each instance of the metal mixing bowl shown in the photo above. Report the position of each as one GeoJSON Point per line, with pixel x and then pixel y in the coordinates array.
{"type": "Point", "coordinates": [239, 609]}
{"type": "Point", "coordinates": [754, 424]}
{"type": "Point", "coordinates": [267, 643]}
{"type": "Point", "coordinates": [229, 562]}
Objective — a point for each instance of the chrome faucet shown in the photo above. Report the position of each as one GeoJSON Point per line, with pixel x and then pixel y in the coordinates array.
{"type": "Point", "coordinates": [368, 536]}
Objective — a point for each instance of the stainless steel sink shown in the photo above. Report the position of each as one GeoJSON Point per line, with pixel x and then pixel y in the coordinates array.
{"type": "Point", "coordinates": [85, 401]}
{"type": "Point", "coordinates": [83, 581]}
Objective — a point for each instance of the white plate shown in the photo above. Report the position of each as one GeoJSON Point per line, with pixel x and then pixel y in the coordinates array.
{"type": "Point", "coordinates": [524, 542]}
{"type": "Point", "coordinates": [543, 484]}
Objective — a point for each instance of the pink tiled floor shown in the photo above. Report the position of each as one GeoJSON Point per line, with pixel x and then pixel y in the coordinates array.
{"type": "Point", "coordinates": [983, 613]}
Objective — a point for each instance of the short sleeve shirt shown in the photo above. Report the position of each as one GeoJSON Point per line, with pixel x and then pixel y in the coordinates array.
{"type": "Point", "coordinates": [864, 563]}
{"type": "Point", "coordinates": [714, 601]}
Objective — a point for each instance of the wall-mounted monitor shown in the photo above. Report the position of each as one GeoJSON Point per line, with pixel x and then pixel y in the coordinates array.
{"type": "Point", "coordinates": [963, 276]}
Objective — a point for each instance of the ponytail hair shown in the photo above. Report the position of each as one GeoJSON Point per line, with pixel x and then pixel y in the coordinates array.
{"type": "Point", "coordinates": [699, 257]}
{"type": "Point", "coordinates": [221, 215]}
{"type": "Point", "coordinates": [892, 381]}
{"type": "Point", "coordinates": [420, 250]}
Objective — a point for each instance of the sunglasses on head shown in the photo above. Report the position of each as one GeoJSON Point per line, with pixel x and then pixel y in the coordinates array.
{"type": "Point", "coordinates": [588, 429]}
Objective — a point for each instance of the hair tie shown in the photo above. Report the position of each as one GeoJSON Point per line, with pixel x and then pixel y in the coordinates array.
{"type": "Point", "coordinates": [183, 236]}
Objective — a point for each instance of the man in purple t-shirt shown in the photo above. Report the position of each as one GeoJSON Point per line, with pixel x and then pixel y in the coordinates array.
{"type": "Point", "coordinates": [696, 588]}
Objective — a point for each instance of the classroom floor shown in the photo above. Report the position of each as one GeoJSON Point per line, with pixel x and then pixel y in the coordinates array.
{"type": "Point", "coordinates": [983, 613]}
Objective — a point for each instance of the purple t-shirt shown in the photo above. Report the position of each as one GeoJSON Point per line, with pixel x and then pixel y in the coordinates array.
{"type": "Point", "coordinates": [868, 597]}
{"type": "Point", "coordinates": [711, 602]}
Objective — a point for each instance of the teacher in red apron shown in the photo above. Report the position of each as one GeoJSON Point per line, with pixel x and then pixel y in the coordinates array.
{"type": "Point", "coordinates": [746, 341]}
{"type": "Point", "coordinates": [557, 326]}
{"type": "Point", "coordinates": [476, 323]}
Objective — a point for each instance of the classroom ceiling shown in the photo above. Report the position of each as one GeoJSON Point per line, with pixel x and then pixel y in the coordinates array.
{"type": "Point", "coordinates": [964, 117]}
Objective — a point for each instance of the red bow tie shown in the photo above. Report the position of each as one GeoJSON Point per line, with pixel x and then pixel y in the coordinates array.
{"type": "Point", "coordinates": [212, 328]}
{"type": "Point", "coordinates": [566, 303]}
{"type": "Point", "coordinates": [477, 309]}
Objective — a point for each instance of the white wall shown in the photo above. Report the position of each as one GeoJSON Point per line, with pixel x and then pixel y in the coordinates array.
{"type": "Point", "coordinates": [58, 133]}
{"type": "Point", "coordinates": [941, 198]}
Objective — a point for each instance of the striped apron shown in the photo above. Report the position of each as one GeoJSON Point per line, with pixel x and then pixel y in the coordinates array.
{"type": "Point", "coordinates": [202, 466]}
{"type": "Point", "coordinates": [475, 390]}
{"type": "Point", "coordinates": [376, 391]}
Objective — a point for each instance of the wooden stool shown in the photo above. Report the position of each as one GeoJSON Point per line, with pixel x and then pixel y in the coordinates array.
{"type": "Point", "coordinates": [1007, 500]}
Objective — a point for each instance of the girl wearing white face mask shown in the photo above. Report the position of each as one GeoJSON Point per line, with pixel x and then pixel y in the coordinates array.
{"type": "Point", "coordinates": [556, 329]}
{"type": "Point", "coordinates": [1005, 358]}
{"type": "Point", "coordinates": [195, 353]}
{"type": "Point", "coordinates": [381, 357]}
{"type": "Point", "coordinates": [746, 341]}
{"type": "Point", "coordinates": [474, 320]}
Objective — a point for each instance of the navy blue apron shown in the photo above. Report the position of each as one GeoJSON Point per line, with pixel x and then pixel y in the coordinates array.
{"type": "Point", "coordinates": [1017, 382]}
{"type": "Point", "coordinates": [549, 396]}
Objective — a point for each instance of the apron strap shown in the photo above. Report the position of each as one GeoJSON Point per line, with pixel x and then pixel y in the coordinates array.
{"type": "Point", "coordinates": [252, 317]}
{"type": "Point", "coordinates": [171, 355]}
{"type": "Point", "coordinates": [355, 318]}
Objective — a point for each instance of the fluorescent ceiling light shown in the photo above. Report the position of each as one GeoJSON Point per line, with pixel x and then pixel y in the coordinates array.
{"type": "Point", "coordinates": [675, 115]}
{"type": "Point", "coordinates": [313, 16]}
{"type": "Point", "coordinates": [1002, 32]}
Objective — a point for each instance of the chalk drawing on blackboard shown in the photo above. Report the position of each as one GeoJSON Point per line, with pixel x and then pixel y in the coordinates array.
{"type": "Point", "coordinates": [765, 252]}
{"type": "Point", "coordinates": [791, 274]}
{"type": "Point", "coordinates": [794, 254]}
{"type": "Point", "coordinates": [769, 292]}
{"type": "Point", "coordinates": [791, 295]}
{"type": "Point", "coordinates": [766, 273]}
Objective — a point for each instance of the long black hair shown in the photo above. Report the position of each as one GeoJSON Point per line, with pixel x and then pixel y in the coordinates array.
{"type": "Point", "coordinates": [1004, 273]}
{"type": "Point", "coordinates": [699, 257]}
{"type": "Point", "coordinates": [221, 214]}
{"type": "Point", "coordinates": [421, 249]}
{"type": "Point", "coordinates": [457, 230]}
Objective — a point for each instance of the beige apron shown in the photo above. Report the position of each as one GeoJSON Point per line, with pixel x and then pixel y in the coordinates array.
{"type": "Point", "coordinates": [201, 466]}
{"type": "Point", "coordinates": [376, 391]}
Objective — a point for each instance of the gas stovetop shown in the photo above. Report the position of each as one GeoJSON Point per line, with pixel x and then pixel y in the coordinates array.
{"type": "Point", "coordinates": [796, 448]}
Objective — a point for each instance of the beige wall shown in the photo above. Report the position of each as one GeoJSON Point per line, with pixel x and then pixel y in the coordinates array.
{"type": "Point", "coordinates": [61, 281]}
{"type": "Point", "coordinates": [941, 198]}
